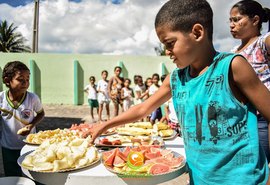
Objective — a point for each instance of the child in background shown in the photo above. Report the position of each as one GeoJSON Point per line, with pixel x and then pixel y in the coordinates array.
{"type": "Point", "coordinates": [127, 94]}
{"type": "Point", "coordinates": [147, 83]}
{"type": "Point", "coordinates": [162, 78]}
{"type": "Point", "coordinates": [139, 90]}
{"type": "Point", "coordinates": [103, 95]}
{"type": "Point", "coordinates": [214, 95]}
{"type": "Point", "coordinates": [20, 112]}
{"type": "Point", "coordinates": [91, 90]}
{"type": "Point", "coordinates": [170, 117]}
{"type": "Point", "coordinates": [115, 85]}
{"type": "Point", "coordinates": [157, 114]}
{"type": "Point", "coordinates": [135, 79]}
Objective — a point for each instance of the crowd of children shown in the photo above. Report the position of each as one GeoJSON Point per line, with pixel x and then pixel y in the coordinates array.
{"type": "Point", "coordinates": [219, 121]}
{"type": "Point", "coordinates": [124, 93]}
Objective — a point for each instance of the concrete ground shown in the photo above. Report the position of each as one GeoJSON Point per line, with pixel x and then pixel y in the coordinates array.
{"type": "Point", "coordinates": [63, 116]}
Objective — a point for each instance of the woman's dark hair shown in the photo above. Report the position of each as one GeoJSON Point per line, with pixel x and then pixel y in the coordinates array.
{"type": "Point", "coordinates": [117, 67]}
{"type": "Point", "coordinates": [181, 15]}
{"type": "Point", "coordinates": [11, 68]}
{"type": "Point", "coordinates": [252, 8]}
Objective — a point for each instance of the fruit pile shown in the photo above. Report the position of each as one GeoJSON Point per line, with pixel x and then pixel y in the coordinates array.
{"type": "Point", "coordinates": [151, 160]}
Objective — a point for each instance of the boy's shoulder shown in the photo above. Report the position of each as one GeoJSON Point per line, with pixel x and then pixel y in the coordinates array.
{"type": "Point", "coordinates": [32, 95]}
{"type": "Point", "coordinates": [2, 95]}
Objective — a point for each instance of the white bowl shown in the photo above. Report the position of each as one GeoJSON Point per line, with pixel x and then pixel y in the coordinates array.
{"type": "Point", "coordinates": [16, 181]}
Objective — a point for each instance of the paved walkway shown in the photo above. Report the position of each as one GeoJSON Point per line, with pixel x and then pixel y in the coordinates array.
{"type": "Point", "coordinates": [63, 116]}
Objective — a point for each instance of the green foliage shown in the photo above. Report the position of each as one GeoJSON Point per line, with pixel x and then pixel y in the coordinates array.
{"type": "Point", "coordinates": [10, 40]}
{"type": "Point", "coordinates": [160, 50]}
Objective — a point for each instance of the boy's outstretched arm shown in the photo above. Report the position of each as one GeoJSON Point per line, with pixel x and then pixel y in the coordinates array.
{"type": "Point", "coordinates": [136, 112]}
{"type": "Point", "coordinates": [247, 87]}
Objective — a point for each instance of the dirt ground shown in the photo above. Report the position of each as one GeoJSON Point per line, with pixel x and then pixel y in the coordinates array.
{"type": "Point", "coordinates": [63, 116]}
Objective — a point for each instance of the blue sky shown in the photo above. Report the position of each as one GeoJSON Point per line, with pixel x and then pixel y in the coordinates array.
{"type": "Point", "coordinates": [112, 27]}
{"type": "Point", "coordinates": [15, 3]}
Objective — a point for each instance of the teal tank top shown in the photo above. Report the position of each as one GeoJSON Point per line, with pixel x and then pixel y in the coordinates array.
{"type": "Point", "coordinates": [220, 134]}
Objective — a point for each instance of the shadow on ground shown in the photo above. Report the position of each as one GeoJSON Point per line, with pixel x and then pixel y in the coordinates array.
{"type": "Point", "coordinates": [51, 123]}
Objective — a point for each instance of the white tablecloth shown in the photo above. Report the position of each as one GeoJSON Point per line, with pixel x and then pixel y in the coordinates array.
{"type": "Point", "coordinates": [98, 174]}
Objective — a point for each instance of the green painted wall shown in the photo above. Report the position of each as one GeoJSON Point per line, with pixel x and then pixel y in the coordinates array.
{"type": "Point", "coordinates": [60, 78]}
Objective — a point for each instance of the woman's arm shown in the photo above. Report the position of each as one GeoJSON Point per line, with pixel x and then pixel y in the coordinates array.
{"type": "Point", "coordinates": [136, 112]}
{"type": "Point", "coordinates": [267, 45]}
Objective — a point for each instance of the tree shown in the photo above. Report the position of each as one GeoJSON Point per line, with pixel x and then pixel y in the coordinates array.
{"type": "Point", "coordinates": [10, 40]}
{"type": "Point", "coordinates": [160, 50]}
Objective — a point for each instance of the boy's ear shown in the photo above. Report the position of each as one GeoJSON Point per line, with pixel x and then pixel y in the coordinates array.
{"type": "Point", "coordinates": [197, 31]}
{"type": "Point", "coordinates": [6, 81]}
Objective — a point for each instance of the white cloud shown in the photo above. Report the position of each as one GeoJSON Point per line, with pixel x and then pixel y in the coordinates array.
{"type": "Point", "coordinates": [93, 26]}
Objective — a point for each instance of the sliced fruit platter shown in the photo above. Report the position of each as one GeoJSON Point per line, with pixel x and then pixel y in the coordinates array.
{"type": "Point", "coordinates": [142, 160]}
{"type": "Point", "coordinates": [60, 157]}
{"type": "Point", "coordinates": [85, 129]}
{"type": "Point", "coordinates": [147, 129]}
{"type": "Point", "coordinates": [121, 141]}
{"type": "Point", "coordinates": [53, 136]}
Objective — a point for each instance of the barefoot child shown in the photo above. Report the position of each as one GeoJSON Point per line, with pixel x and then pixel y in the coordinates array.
{"type": "Point", "coordinates": [103, 95]}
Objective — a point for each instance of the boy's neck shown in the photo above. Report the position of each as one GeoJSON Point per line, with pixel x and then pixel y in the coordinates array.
{"type": "Point", "coordinates": [203, 63]}
{"type": "Point", "coordinates": [15, 96]}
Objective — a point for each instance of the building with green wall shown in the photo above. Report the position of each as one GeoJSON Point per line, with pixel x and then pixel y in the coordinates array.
{"type": "Point", "coordinates": [60, 78]}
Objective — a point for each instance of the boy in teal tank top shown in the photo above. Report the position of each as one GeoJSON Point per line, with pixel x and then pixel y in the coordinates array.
{"type": "Point", "coordinates": [214, 95]}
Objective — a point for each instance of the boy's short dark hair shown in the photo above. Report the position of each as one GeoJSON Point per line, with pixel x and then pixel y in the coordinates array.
{"type": "Point", "coordinates": [181, 15]}
{"type": "Point", "coordinates": [104, 71]}
{"type": "Point", "coordinates": [11, 68]}
{"type": "Point", "coordinates": [92, 77]}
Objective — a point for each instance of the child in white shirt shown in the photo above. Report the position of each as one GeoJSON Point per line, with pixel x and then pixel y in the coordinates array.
{"type": "Point", "coordinates": [127, 94]}
{"type": "Point", "coordinates": [103, 95]}
{"type": "Point", "coordinates": [91, 90]}
{"type": "Point", "coordinates": [20, 111]}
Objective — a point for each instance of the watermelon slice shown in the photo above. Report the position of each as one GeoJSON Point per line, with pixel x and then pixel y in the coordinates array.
{"type": "Point", "coordinates": [122, 155]}
{"type": "Point", "coordinates": [173, 163]}
{"type": "Point", "coordinates": [154, 149]}
{"type": "Point", "coordinates": [106, 154]}
{"type": "Point", "coordinates": [159, 169]}
{"type": "Point", "coordinates": [118, 162]}
{"type": "Point", "coordinates": [152, 155]}
{"type": "Point", "coordinates": [110, 159]}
